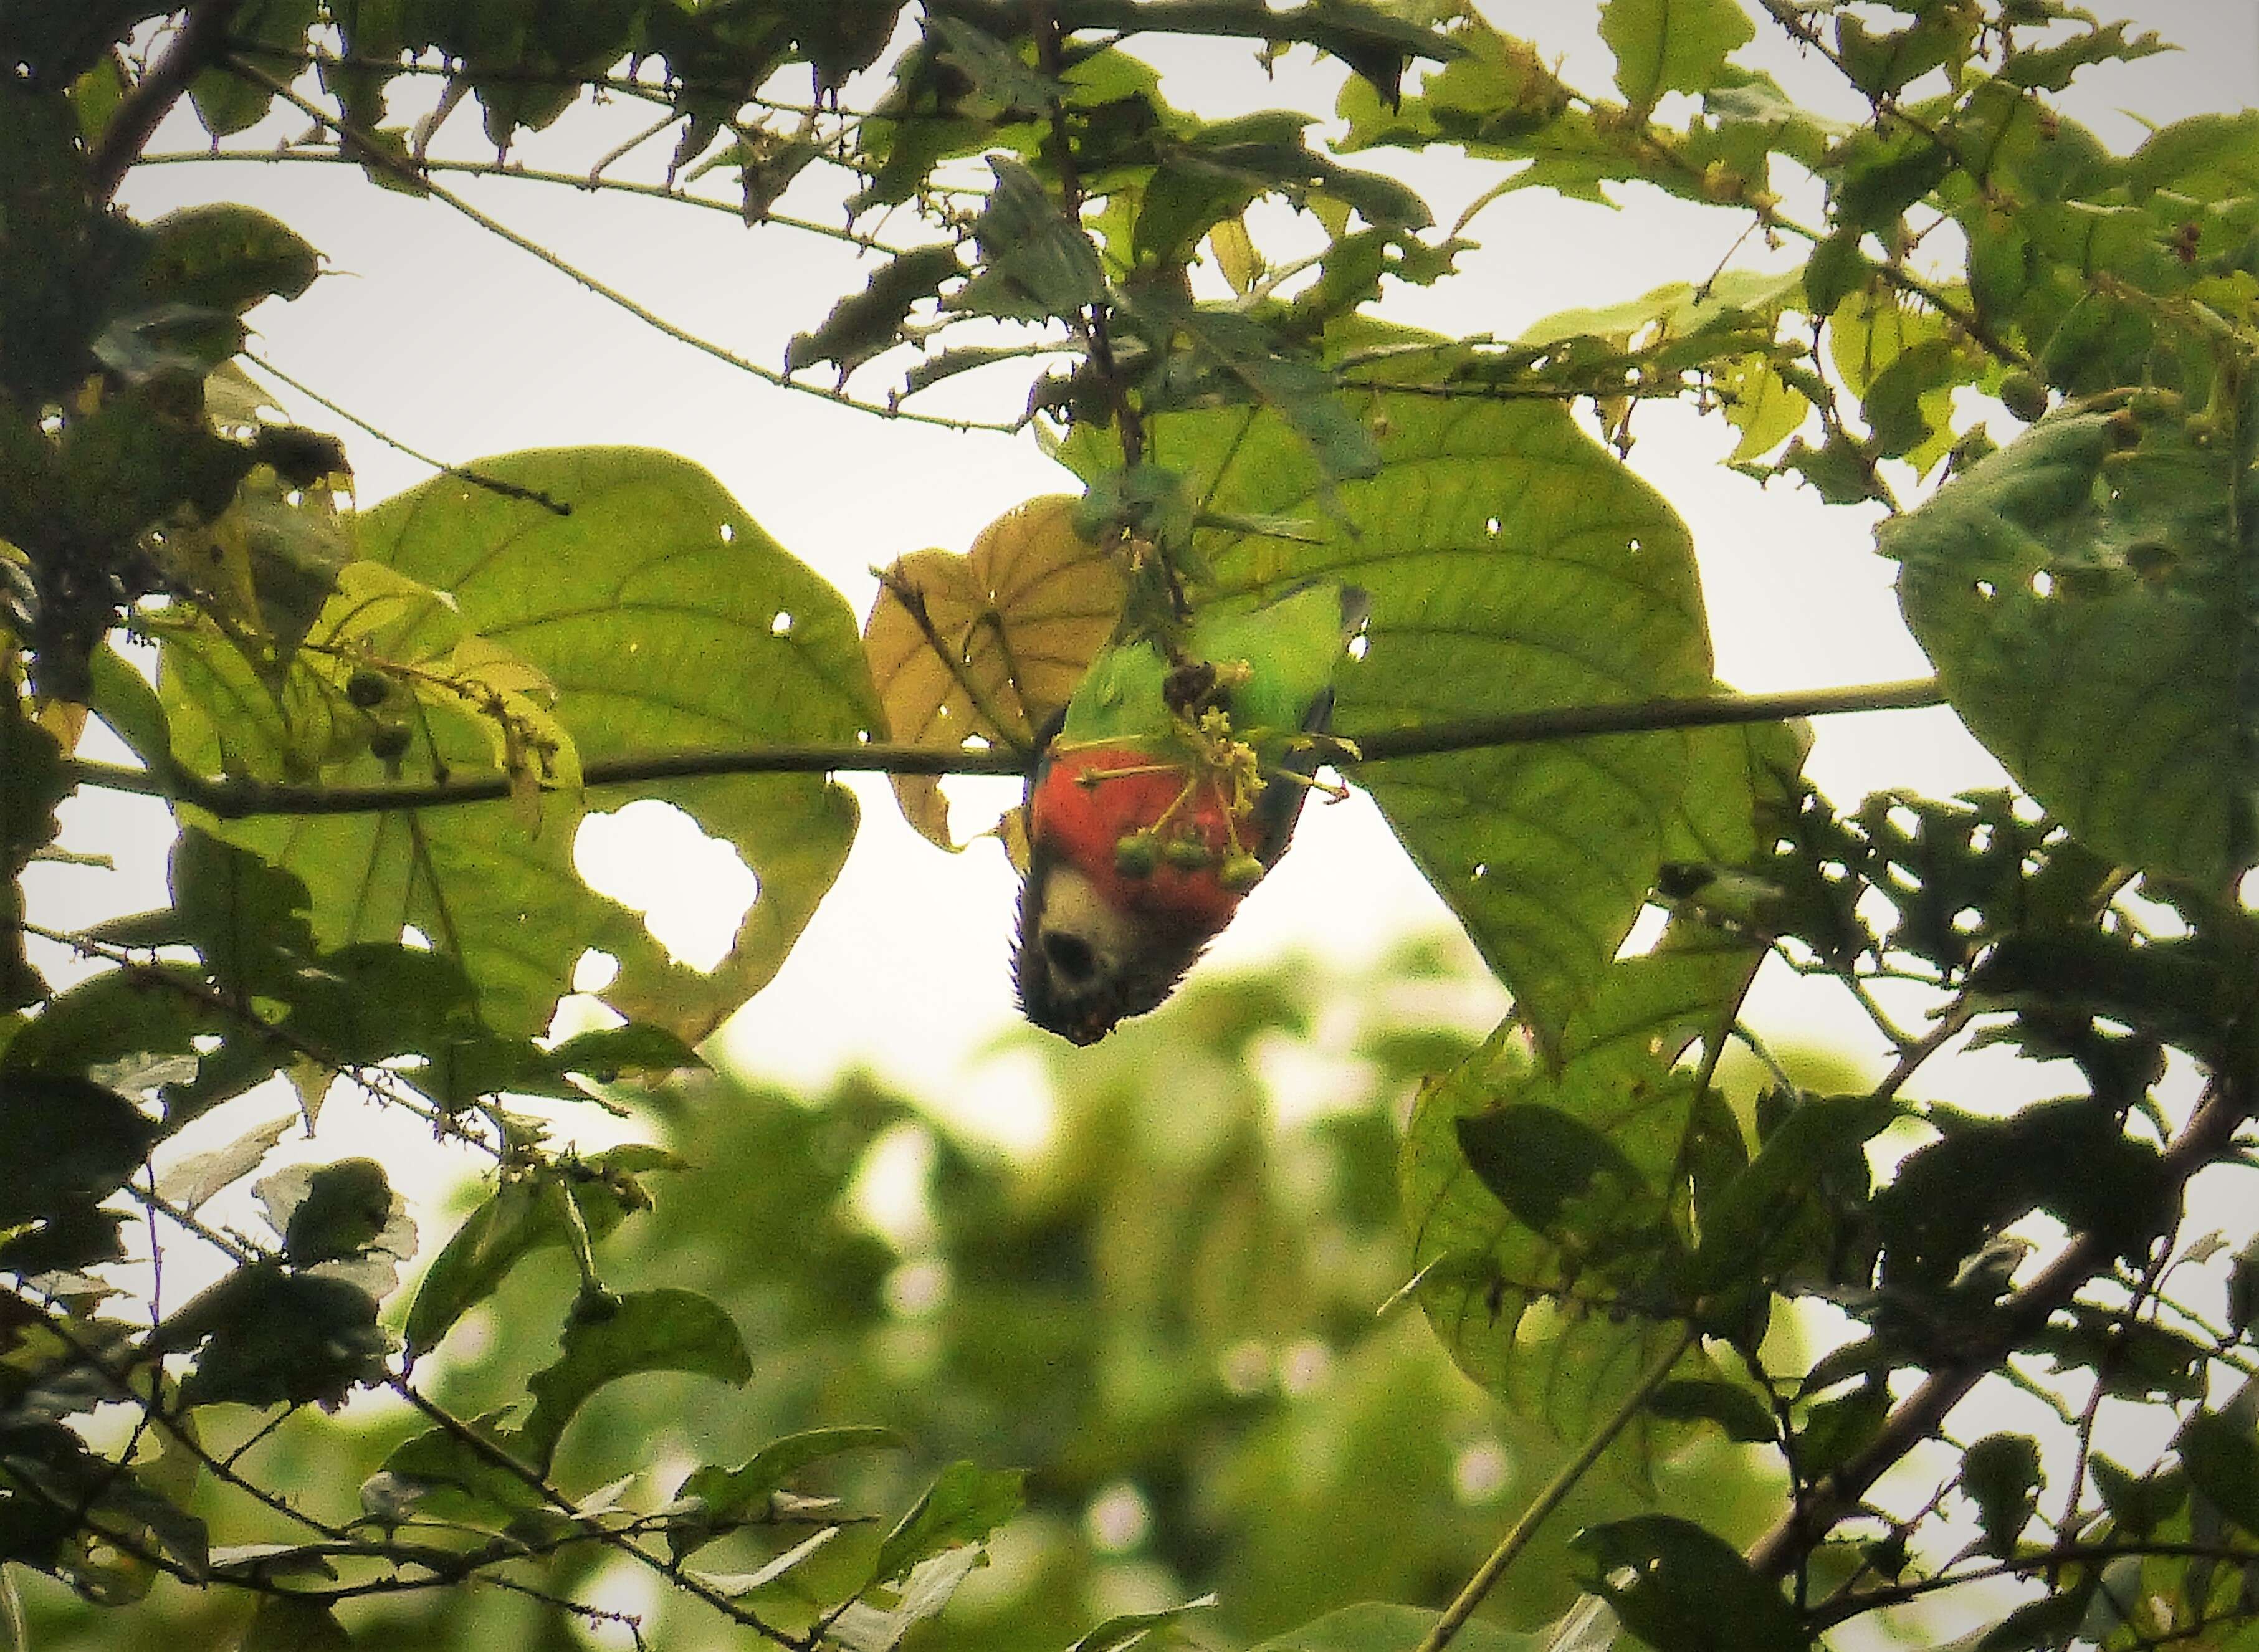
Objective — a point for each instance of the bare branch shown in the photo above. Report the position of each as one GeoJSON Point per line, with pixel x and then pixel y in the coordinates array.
{"type": "Point", "coordinates": [236, 798]}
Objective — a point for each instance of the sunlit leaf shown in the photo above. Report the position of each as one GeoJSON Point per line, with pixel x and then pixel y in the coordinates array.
{"type": "Point", "coordinates": [663, 618]}
{"type": "Point", "coordinates": [1512, 564]}
{"type": "Point", "coordinates": [1009, 628]}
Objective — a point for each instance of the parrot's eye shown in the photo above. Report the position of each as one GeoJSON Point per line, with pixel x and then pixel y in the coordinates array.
{"type": "Point", "coordinates": [1070, 955]}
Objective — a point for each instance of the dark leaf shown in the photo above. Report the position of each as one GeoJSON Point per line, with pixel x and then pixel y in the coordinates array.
{"type": "Point", "coordinates": [1682, 1588]}
{"type": "Point", "coordinates": [70, 1142]}
{"type": "Point", "coordinates": [270, 1337]}
{"type": "Point", "coordinates": [1739, 1411]}
{"type": "Point", "coordinates": [2221, 1452]}
{"type": "Point", "coordinates": [607, 1339]}
{"type": "Point", "coordinates": [2000, 1474]}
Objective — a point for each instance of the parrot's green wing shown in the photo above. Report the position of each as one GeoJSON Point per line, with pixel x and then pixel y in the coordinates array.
{"type": "Point", "coordinates": [1292, 645]}
{"type": "Point", "coordinates": [1120, 697]}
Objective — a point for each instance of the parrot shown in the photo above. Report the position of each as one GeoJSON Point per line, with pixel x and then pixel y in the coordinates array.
{"type": "Point", "coordinates": [1161, 793]}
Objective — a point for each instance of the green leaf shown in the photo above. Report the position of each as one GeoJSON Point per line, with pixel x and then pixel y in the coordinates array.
{"type": "Point", "coordinates": [1744, 1227]}
{"type": "Point", "coordinates": [963, 1506]}
{"type": "Point", "coordinates": [861, 1626]}
{"type": "Point", "coordinates": [224, 257]}
{"type": "Point", "coordinates": [1512, 564]}
{"type": "Point", "coordinates": [525, 1215]}
{"type": "Point", "coordinates": [1671, 45]}
{"type": "Point", "coordinates": [1836, 1430]}
{"type": "Point", "coordinates": [864, 325]}
{"type": "Point", "coordinates": [1130, 1628]}
{"type": "Point", "coordinates": [70, 1142]}
{"type": "Point", "coordinates": [2000, 1474]}
{"type": "Point", "coordinates": [2221, 1452]}
{"type": "Point", "coordinates": [1682, 1588]}
{"type": "Point", "coordinates": [438, 1475]}
{"type": "Point", "coordinates": [190, 1181]}
{"type": "Point", "coordinates": [285, 1623]}
{"type": "Point", "coordinates": [731, 1494]}
{"type": "Point", "coordinates": [663, 617]}
{"type": "Point", "coordinates": [227, 103]}
{"type": "Point", "coordinates": [2098, 555]}
{"type": "Point", "coordinates": [270, 1337]}
{"type": "Point", "coordinates": [1035, 261]}
{"type": "Point", "coordinates": [243, 917]}
{"type": "Point", "coordinates": [1375, 1627]}
{"type": "Point", "coordinates": [1563, 1322]}
{"type": "Point", "coordinates": [607, 1339]}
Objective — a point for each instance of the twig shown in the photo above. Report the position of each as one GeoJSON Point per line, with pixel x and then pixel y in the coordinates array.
{"type": "Point", "coordinates": [529, 174]}
{"type": "Point", "coordinates": [1552, 1494]}
{"type": "Point", "coordinates": [201, 41]}
{"type": "Point", "coordinates": [236, 799]}
{"type": "Point", "coordinates": [463, 1433]}
{"type": "Point", "coordinates": [463, 472]}
{"type": "Point", "coordinates": [373, 153]}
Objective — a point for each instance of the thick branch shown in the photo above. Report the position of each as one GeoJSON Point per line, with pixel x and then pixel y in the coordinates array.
{"type": "Point", "coordinates": [202, 38]}
{"type": "Point", "coordinates": [2226, 1104]}
{"type": "Point", "coordinates": [234, 799]}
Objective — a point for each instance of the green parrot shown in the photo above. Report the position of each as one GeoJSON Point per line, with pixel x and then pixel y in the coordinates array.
{"type": "Point", "coordinates": [1169, 786]}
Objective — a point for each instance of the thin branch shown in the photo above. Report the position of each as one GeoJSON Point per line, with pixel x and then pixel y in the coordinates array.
{"type": "Point", "coordinates": [462, 473]}
{"type": "Point", "coordinates": [580, 182]}
{"type": "Point", "coordinates": [2208, 1133]}
{"type": "Point", "coordinates": [373, 153]}
{"type": "Point", "coordinates": [200, 43]}
{"type": "Point", "coordinates": [1551, 1496]}
{"type": "Point", "coordinates": [463, 1433]}
{"type": "Point", "coordinates": [236, 799]}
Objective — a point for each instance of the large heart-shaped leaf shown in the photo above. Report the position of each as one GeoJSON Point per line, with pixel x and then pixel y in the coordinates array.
{"type": "Point", "coordinates": [1512, 564]}
{"type": "Point", "coordinates": [657, 615]}
{"type": "Point", "coordinates": [2085, 595]}
{"type": "Point", "coordinates": [1548, 1207]}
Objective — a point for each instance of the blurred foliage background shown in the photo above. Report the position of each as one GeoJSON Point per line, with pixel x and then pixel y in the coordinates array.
{"type": "Point", "coordinates": [1175, 1313]}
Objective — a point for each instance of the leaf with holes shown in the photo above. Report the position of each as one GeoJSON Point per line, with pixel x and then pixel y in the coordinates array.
{"type": "Point", "coordinates": [1512, 564]}
{"type": "Point", "coordinates": [662, 617]}
{"type": "Point", "coordinates": [1548, 1210]}
{"type": "Point", "coordinates": [2084, 594]}
{"type": "Point", "coordinates": [989, 644]}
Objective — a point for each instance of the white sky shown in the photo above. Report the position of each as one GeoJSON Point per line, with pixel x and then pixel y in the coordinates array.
{"type": "Point", "coordinates": [465, 347]}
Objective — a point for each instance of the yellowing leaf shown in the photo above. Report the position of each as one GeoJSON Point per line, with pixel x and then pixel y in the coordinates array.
{"type": "Point", "coordinates": [1761, 405]}
{"type": "Point", "coordinates": [988, 645]}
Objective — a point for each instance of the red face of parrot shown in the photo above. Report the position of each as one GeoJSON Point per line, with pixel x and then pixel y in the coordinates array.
{"type": "Point", "coordinates": [1127, 882]}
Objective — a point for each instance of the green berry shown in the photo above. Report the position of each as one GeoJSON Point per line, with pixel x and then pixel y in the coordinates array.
{"type": "Point", "coordinates": [387, 740]}
{"type": "Point", "coordinates": [366, 688]}
{"type": "Point", "coordinates": [1241, 871]}
{"type": "Point", "coordinates": [1134, 855]}
{"type": "Point", "coordinates": [1188, 854]}
{"type": "Point", "coordinates": [2024, 394]}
